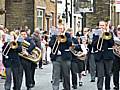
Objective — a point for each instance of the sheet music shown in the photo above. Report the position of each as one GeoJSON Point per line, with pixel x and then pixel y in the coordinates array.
{"type": "Point", "coordinates": [8, 38]}
{"type": "Point", "coordinates": [97, 32]}
{"type": "Point", "coordinates": [54, 31]}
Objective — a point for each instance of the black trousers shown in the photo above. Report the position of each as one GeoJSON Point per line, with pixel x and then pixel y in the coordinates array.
{"type": "Point", "coordinates": [16, 73]}
{"type": "Point", "coordinates": [40, 63]}
{"type": "Point", "coordinates": [104, 69]}
{"type": "Point", "coordinates": [74, 69]}
{"type": "Point", "coordinates": [116, 68]}
{"type": "Point", "coordinates": [27, 69]}
{"type": "Point", "coordinates": [77, 66]}
{"type": "Point", "coordinates": [17, 79]}
{"type": "Point", "coordinates": [33, 67]}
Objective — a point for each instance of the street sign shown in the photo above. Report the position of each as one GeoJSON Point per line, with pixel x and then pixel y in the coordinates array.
{"type": "Point", "coordinates": [117, 3]}
{"type": "Point", "coordinates": [84, 6]}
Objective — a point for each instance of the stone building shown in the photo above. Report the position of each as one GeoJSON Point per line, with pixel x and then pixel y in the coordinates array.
{"type": "Point", "coordinates": [19, 13]}
{"type": "Point", "coordinates": [31, 13]}
{"type": "Point", "coordinates": [2, 16]}
{"type": "Point", "coordinates": [115, 16]}
{"type": "Point", "coordinates": [45, 14]}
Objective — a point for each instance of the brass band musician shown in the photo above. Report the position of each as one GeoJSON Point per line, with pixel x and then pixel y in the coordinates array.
{"type": "Point", "coordinates": [12, 63]}
{"type": "Point", "coordinates": [103, 53]}
{"type": "Point", "coordinates": [26, 63]}
{"type": "Point", "coordinates": [61, 57]}
{"type": "Point", "coordinates": [77, 64]}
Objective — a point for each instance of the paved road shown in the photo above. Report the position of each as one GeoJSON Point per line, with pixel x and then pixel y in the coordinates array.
{"type": "Point", "coordinates": [43, 81]}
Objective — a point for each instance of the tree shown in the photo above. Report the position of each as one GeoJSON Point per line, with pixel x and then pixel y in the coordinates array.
{"type": "Point", "coordinates": [102, 12]}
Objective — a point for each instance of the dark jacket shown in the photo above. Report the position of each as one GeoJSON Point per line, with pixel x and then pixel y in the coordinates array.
{"type": "Point", "coordinates": [37, 40]}
{"type": "Point", "coordinates": [13, 57]}
{"type": "Point", "coordinates": [106, 52]}
{"type": "Point", "coordinates": [66, 55]}
{"type": "Point", "coordinates": [77, 48]}
{"type": "Point", "coordinates": [32, 44]}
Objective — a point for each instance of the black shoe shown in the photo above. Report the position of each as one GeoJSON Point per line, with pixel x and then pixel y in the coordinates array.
{"type": "Point", "coordinates": [61, 80]}
{"type": "Point", "coordinates": [92, 81]}
{"type": "Point", "coordinates": [51, 81]}
{"type": "Point", "coordinates": [28, 88]}
{"type": "Point", "coordinates": [31, 85]}
{"type": "Point", "coordinates": [80, 83]}
{"type": "Point", "coordinates": [99, 88]}
{"type": "Point", "coordinates": [74, 87]}
{"type": "Point", "coordinates": [41, 68]}
{"type": "Point", "coordinates": [116, 88]}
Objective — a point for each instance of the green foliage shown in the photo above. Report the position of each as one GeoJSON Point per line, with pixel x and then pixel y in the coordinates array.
{"type": "Point", "coordinates": [102, 13]}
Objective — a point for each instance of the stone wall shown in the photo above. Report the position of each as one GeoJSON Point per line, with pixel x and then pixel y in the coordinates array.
{"type": "Point", "coordinates": [19, 13]}
{"type": "Point", "coordinates": [2, 17]}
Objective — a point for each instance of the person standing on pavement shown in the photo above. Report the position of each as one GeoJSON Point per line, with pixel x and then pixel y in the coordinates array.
{"type": "Point", "coordinates": [90, 56]}
{"type": "Point", "coordinates": [104, 56]}
{"type": "Point", "coordinates": [36, 39]}
{"type": "Point", "coordinates": [61, 58]}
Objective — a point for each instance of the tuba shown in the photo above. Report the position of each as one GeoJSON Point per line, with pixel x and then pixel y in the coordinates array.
{"type": "Point", "coordinates": [35, 54]}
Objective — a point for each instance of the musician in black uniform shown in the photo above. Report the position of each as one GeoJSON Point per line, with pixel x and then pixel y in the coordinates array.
{"type": "Point", "coordinates": [116, 62]}
{"type": "Point", "coordinates": [12, 63]}
{"type": "Point", "coordinates": [61, 60]}
{"type": "Point", "coordinates": [27, 64]}
{"type": "Point", "coordinates": [77, 65]}
{"type": "Point", "coordinates": [103, 55]}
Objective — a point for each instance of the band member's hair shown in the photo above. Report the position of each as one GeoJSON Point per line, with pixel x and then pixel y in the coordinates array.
{"type": "Point", "coordinates": [23, 31]}
{"type": "Point", "coordinates": [60, 21]}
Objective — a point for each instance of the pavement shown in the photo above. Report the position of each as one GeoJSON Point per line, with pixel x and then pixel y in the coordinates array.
{"type": "Point", "coordinates": [43, 81]}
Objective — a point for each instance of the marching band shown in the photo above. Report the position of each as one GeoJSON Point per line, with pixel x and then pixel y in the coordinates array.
{"type": "Point", "coordinates": [94, 50]}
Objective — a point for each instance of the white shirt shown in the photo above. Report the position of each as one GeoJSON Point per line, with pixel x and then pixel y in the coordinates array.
{"type": "Point", "coordinates": [84, 49]}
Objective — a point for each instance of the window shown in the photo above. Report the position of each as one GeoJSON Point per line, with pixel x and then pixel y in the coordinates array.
{"type": "Point", "coordinates": [40, 18]}
{"type": "Point", "coordinates": [17, 0]}
{"type": "Point", "coordinates": [52, 0]}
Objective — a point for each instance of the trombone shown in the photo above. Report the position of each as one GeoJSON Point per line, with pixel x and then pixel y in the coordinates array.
{"type": "Point", "coordinates": [105, 36]}
{"type": "Point", "coordinates": [10, 44]}
{"type": "Point", "coordinates": [59, 39]}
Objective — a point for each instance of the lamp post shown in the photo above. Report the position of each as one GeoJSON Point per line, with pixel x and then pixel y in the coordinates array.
{"type": "Point", "coordinates": [66, 11]}
{"type": "Point", "coordinates": [71, 16]}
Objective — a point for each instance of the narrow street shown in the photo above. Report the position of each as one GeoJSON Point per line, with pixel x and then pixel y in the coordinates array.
{"type": "Point", "coordinates": [43, 81]}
